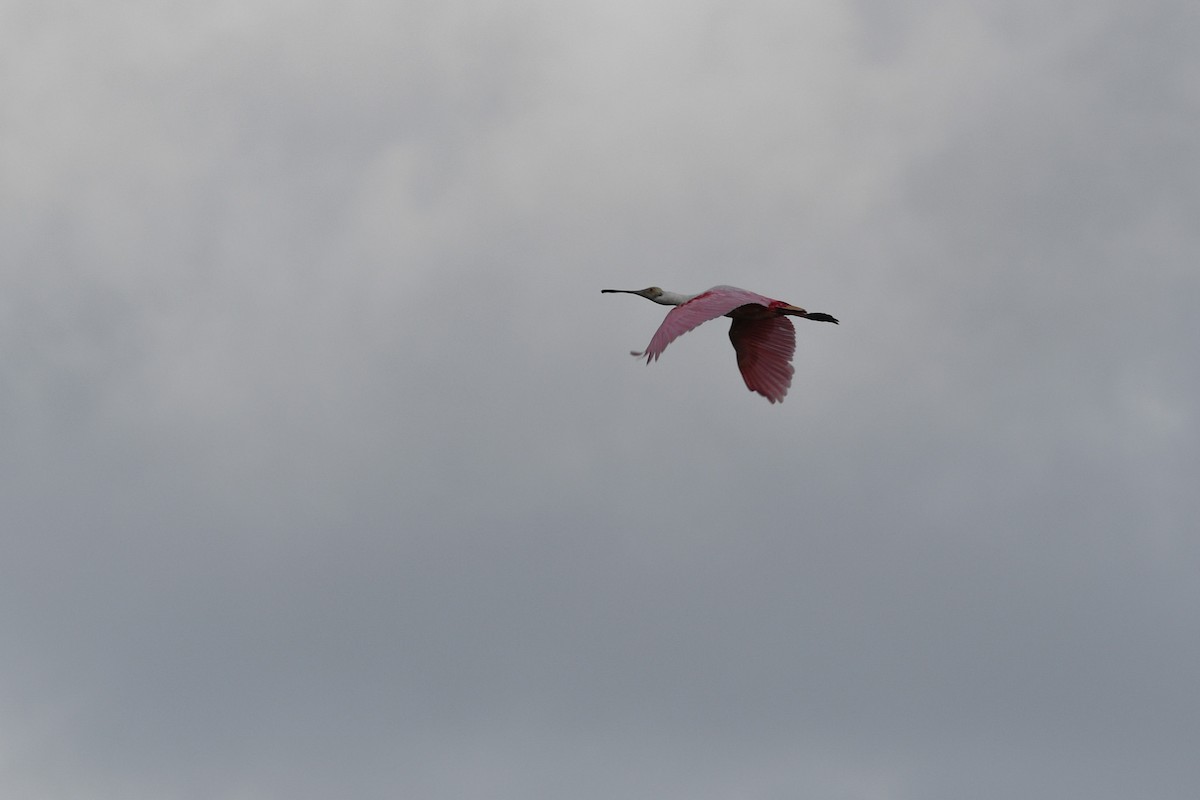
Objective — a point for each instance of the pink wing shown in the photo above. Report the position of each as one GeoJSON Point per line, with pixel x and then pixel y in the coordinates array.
{"type": "Point", "coordinates": [716, 302]}
{"type": "Point", "coordinates": [764, 354]}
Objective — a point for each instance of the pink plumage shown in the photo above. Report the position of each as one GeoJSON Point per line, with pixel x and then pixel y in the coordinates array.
{"type": "Point", "coordinates": [761, 333]}
{"type": "Point", "coordinates": [765, 347]}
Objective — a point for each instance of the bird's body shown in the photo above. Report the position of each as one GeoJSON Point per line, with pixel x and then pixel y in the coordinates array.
{"type": "Point", "coordinates": [762, 334]}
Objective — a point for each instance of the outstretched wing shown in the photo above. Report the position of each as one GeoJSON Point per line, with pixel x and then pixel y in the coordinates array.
{"type": "Point", "coordinates": [764, 354]}
{"type": "Point", "coordinates": [716, 302]}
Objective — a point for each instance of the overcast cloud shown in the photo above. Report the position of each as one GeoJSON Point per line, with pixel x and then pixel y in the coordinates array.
{"type": "Point", "coordinates": [326, 472]}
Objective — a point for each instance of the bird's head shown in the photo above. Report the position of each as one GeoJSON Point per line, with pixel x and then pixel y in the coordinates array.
{"type": "Point", "coordinates": [651, 293]}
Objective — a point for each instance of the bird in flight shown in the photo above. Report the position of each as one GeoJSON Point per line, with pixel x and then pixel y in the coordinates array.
{"type": "Point", "coordinates": [762, 334]}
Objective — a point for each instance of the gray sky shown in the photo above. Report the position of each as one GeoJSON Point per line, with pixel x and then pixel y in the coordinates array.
{"type": "Point", "coordinates": [326, 472]}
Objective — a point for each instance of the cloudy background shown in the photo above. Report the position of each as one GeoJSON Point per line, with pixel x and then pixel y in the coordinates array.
{"type": "Point", "coordinates": [325, 471]}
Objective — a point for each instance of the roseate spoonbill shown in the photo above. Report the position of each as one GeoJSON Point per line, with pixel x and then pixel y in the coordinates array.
{"type": "Point", "coordinates": [761, 332]}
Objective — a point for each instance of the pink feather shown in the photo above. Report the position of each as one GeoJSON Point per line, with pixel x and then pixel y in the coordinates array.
{"type": "Point", "coordinates": [716, 302]}
{"type": "Point", "coordinates": [762, 335]}
{"type": "Point", "coordinates": [764, 354]}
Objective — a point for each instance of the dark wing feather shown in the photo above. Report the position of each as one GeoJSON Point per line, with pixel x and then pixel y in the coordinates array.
{"type": "Point", "coordinates": [764, 354]}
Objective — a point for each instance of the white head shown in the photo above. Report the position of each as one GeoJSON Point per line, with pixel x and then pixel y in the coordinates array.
{"type": "Point", "coordinates": [654, 293]}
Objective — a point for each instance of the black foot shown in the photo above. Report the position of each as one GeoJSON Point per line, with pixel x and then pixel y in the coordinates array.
{"type": "Point", "coordinates": [819, 317]}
